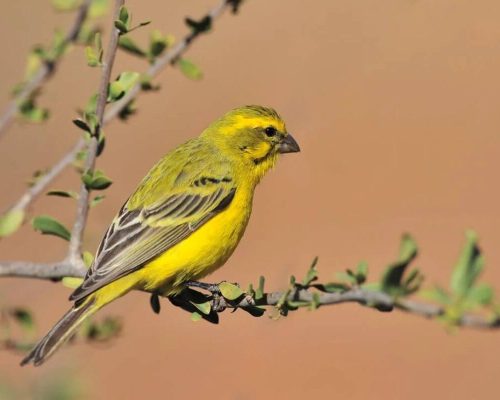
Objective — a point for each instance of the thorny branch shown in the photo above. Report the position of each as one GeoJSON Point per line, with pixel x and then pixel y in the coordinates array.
{"type": "Point", "coordinates": [169, 58]}
{"type": "Point", "coordinates": [43, 73]}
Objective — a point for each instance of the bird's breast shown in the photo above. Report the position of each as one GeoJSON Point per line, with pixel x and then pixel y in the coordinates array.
{"type": "Point", "coordinates": [205, 250]}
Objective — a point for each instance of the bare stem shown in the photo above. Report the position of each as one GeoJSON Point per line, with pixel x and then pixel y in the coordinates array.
{"type": "Point", "coordinates": [44, 71]}
{"type": "Point", "coordinates": [75, 243]}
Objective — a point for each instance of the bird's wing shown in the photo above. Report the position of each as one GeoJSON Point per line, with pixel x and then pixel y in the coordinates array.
{"type": "Point", "coordinates": [138, 235]}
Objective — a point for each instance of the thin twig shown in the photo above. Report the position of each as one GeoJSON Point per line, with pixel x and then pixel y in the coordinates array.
{"type": "Point", "coordinates": [113, 111]}
{"type": "Point", "coordinates": [45, 70]}
{"type": "Point", "coordinates": [75, 244]}
{"type": "Point", "coordinates": [371, 298]}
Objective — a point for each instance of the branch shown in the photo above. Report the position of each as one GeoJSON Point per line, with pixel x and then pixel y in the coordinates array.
{"type": "Point", "coordinates": [75, 244]}
{"type": "Point", "coordinates": [44, 72]}
{"type": "Point", "coordinates": [161, 63]}
{"type": "Point", "coordinates": [53, 271]}
{"type": "Point", "coordinates": [374, 299]}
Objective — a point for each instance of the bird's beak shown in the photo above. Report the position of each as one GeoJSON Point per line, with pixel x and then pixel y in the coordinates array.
{"type": "Point", "coordinates": [288, 145]}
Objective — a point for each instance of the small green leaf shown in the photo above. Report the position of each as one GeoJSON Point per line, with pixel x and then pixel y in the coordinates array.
{"type": "Point", "coordinates": [30, 112]}
{"type": "Point", "coordinates": [96, 200]}
{"type": "Point", "coordinates": [88, 258]}
{"type": "Point", "coordinates": [259, 292]}
{"type": "Point", "coordinates": [196, 316]}
{"type": "Point", "coordinates": [130, 46]}
{"type": "Point", "coordinates": [204, 308]}
{"type": "Point", "coordinates": [82, 125]}
{"type": "Point", "coordinates": [124, 82]}
{"type": "Point", "coordinates": [123, 15]}
{"type": "Point", "coordinates": [230, 291]}
{"type": "Point", "coordinates": [121, 26]}
{"type": "Point", "coordinates": [96, 180]}
{"type": "Point", "coordinates": [71, 282]}
{"type": "Point", "coordinates": [436, 294]}
{"type": "Point", "coordinates": [392, 279]}
{"type": "Point", "coordinates": [469, 266]}
{"type": "Point", "coordinates": [481, 294]}
{"type": "Point", "coordinates": [201, 26]}
{"type": "Point", "coordinates": [316, 301]}
{"type": "Point", "coordinates": [190, 70]}
{"type": "Point", "coordinates": [123, 22]}
{"type": "Point", "coordinates": [362, 272]}
{"type": "Point", "coordinates": [105, 330]}
{"type": "Point", "coordinates": [312, 273]}
{"type": "Point", "coordinates": [331, 287]}
{"type": "Point", "coordinates": [24, 318]}
{"type": "Point", "coordinates": [158, 43]}
{"type": "Point", "coordinates": [63, 193]}
{"type": "Point", "coordinates": [50, 226]}
{"type": "Point", "coordinates": [10, 222]}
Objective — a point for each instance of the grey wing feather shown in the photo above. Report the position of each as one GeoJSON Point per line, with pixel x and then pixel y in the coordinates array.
{"type": "Point", "coordinates": [129, 243]}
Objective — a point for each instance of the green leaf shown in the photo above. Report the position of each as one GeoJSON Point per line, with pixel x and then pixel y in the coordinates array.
{"type": "Point", "coordinates": [82, 125]}
{"type": "Point", "coordinates": [437, 294]}
{"type": "Point", "coordinates": [196, 316]}
{"type": "Point", "coordinates": [190, 70]}
{"type": "Point", "coordinates": [10, 222]}
{"type": "Point", "coordinates": [259, 292]}
{"type": "Point", "coordinates": [92, 57]}
{"type": "Point", "coordinates": [123, 22]}
{"type": "Point", "coordinates": [96, 200]}
{"type": "Point", "coordinates": [96, 180]}
{"type": "Point", "coordinates": [124, 82]}
{"type": "Point", "coordinates": [312, 273]}
{"type": "Point", "coordinates": [123, 15]}
{"type": "Point", "coordinates": [50, 226]}
{"type": "Point", "coordinates": [32, 65]}
{"type": "Point", "coordinates": [66, 5]}
{"type": "Point", "coordinates": [362, 272]}
{"type": "Point", "coordinates": [130, 46]}
{"type": "Point", "coordinates": [105, 330]}
{"type": "Point", "coordinates": [30, 112]}
{"type": "Point", "coordinates": [88, 258]}
{"type": "Point", "coordinates": [204, 308]}
{"type": "Point", "coordinates": [230, 291]}
{"type": "Point", "coordinates": [315, 303]}
{"type": "Point", "coordinates": [469, 266]}
{"type": "Point", "coordinates": [63, 193]}
{"type": "Point", "coordinates": [23, 317]}
{"type": "Point", "coordinates": [121, 26]}
{"type": "Point", "coordinates": [392, 277]}
{"type": "Point", "coordinates": [481, 294]}
{"type": "Point", "coordinates": [71, 282]}
{"type": "Point", "coordinates": [201, 26]}
{"type": "Point", "coordinates": [158, 43]}
{"type": "Point", "coordinates": [331, 287]}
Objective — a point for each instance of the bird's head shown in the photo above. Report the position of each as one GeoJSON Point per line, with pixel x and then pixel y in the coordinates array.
{"type": "Point", "coordinates": [253, 135]}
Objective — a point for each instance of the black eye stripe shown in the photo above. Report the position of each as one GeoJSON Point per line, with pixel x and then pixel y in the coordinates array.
{"type": "Point", "coordinates": [270, 131]}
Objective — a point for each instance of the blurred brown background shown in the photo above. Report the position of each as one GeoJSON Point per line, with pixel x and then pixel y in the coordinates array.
{"type": "Point", "coordinates": [395, 105]}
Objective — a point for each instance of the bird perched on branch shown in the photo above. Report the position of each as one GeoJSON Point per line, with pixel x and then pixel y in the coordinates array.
{"type": "Point", "coordinates": [183, 221]}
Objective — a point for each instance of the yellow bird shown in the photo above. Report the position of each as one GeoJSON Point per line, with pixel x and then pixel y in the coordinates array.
{"type": "Point", "coordinates": [183, 221]}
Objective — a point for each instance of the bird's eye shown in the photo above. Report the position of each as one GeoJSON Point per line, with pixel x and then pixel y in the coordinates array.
{"type": "Point", "coordinates": [270, 131]}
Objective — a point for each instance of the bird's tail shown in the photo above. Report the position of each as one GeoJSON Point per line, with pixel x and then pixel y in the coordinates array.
{"type": "Point", "coordinates": [61, 332]}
